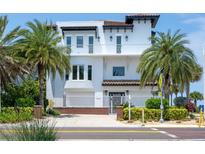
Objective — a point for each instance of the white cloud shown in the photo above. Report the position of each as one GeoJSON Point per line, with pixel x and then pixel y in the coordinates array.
{"type": "Point", "coordinates": [197, 42]}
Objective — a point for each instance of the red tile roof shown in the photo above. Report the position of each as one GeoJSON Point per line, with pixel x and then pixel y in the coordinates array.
{"type": "Point", "coordinates": [125, 83]}
{"type": "Point", "coordinates": [115, 23]}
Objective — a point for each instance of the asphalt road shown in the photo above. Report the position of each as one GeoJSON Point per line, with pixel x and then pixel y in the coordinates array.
{"type": "Point", "coordinates": [131, 133]}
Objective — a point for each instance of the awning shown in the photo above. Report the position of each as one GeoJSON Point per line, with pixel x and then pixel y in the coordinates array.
{"type": "Point", "coordinates": [79, 86]}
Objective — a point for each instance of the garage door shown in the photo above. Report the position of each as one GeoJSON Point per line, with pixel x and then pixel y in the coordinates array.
{"type": "Point", "coordinates": [80, 99]}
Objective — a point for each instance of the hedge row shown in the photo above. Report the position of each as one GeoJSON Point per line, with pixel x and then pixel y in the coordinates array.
{"type": "Point", "coordinates": [154, 114]}
{"type": "Point", "coordinates": [12, 115]}
{"type": "Point", "coordinates": [136, 114]}
{"type": "Point", "coordinates": [176, 114]}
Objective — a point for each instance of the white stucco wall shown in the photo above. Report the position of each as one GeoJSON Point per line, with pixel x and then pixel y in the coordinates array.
{"type": "Point", "coordinates": [102, 60]}
{"type": "Point", "coordinates": [130, 64]}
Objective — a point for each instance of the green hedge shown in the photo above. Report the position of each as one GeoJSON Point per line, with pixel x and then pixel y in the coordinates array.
{"type": "Point", "coordinates": [136, 114]}
{"type": "Point", "coordinates": [13, 115]}
{"type": "Point", "coordinates": [154, 114]}
{"type": "Point", "coordinates": [176, 114]}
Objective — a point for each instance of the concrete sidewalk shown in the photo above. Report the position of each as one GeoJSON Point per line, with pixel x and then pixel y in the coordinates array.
{"type": "Point", "coordinates": [84, 120]}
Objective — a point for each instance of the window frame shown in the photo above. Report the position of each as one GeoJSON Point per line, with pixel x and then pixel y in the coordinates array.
{"type": "Point", "coordinates": [90, 45]}
{"type": "Point", "coordinates": [90, 72]}
{"type": "Point", "coordinates": [73, 73]}
{"type": "Point", "coordinates": [77, 43]}
{"type": "Point", "coordinates": [115, 67]}
{"type": "Point", "coordinates": [79, 68]}
{"type": "Point", "coordinates": [67, 41]}
{"type": "Point", "coordinates": [118, 45]}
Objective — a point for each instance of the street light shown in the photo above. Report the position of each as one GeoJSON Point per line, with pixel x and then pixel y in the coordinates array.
{"type": "Point", "coordinates": [161, 82]}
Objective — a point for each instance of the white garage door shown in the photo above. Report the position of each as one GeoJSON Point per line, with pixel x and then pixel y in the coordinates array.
{"type": "Point", "coordinates": [80, 99]}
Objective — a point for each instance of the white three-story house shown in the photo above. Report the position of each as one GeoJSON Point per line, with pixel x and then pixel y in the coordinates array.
{"type": "Point", "coordinates": [104, 58]}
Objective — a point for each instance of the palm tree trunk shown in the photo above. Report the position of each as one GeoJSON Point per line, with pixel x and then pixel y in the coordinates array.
{"type": "Point", "coordinates": [41, 84]}
{"type": "Point", "coordinates": [0, 95]}
{"type": "Point", "coordinates": [187, 90]}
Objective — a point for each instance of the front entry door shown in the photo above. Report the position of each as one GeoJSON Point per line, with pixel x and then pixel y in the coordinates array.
{"type": "Point", "coordinates": [116, 99]}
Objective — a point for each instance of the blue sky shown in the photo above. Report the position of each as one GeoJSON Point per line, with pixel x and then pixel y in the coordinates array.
{"type": "Point", "coordinates": [192, 24]}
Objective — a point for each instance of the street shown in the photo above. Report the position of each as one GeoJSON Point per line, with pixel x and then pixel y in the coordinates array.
{"type": "Point", "coordinates": [120, 133]}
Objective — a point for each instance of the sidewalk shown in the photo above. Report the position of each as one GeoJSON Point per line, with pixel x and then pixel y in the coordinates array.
{"type": "Point", "coordinates": [84, 120]}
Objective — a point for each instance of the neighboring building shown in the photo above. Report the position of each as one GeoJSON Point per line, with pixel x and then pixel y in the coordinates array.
{"type": "Point", "coordinates": [104, 58]}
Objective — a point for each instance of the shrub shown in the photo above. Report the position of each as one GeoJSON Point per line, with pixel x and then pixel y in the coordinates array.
{"type": "Point", "coordinates": [136, 114]}
{"type": "Point", "coordinates": [25, 102]}
{"type": "Point", "coordinates": [175, 114]}
{"type": "Point", "coordinates": [52, 112]}
{"type": "Point", "coordinates": [180, 101]}
{"type": "Point", "coordinates": [38, 130]}
{"type": "Point", "coordinates": [12, 115]}
{"type": "Point", "coordinates": [28, 89]}
{"type": "Point", "coordinates": [154, 103]}
{"type": "Point", "coordinates": [124, 105]}
{"type": "Point", "coordinates": [191, 107]}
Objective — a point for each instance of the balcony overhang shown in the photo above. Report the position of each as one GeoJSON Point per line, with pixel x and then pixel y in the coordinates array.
{"type": "Point", "coordinates": [78, 28]}
{"type": "Point", "coordinates": [78, 86]}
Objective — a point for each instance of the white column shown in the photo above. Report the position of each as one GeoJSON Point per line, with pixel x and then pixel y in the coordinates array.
{"type": "Point", "coordinates": [99, 99]}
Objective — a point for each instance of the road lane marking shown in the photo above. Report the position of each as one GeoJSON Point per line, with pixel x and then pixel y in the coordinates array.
{"type": "Point", "coordinates": [168, 134]}
{"type": "Point", "coordinates": [108, 131]}
{"type": "Point", "coordinates": [154, 129]}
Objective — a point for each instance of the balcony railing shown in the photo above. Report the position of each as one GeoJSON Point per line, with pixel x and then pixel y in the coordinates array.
{"type": "Point", "coordinates": [109, 48]}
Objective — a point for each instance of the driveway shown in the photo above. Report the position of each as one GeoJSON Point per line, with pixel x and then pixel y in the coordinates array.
{"type": "Point", "coordinates": [84, 120]}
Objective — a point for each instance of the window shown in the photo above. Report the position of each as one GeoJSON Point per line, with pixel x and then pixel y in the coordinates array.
{"type": "Point", "coordinates": [90, 44]}
{"type": "Point", "coordinates": [119, 71]}
{"type": "Point", "coordinates": [118, 43]}
{"type": "Point", "coordinates": [68, 41]}
{"type": "Point", "coordinates": [79, 41]}
{"type": "Point", "coordinates": [67, 76]}
{"type": "Point", "coordinates": [75, 72]}
{"type": "Point", "coordinates": [81, 72]}
{"type": "Point", "coordinates": [89, 72]}
{"type": "Point", "coordinates": [78, 72]}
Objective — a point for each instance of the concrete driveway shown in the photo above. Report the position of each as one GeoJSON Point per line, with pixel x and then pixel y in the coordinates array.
{"type": "Point", "coordinates": [84, 120]}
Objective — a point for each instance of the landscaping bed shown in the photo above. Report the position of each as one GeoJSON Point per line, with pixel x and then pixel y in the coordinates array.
{"type": "Point", "coordinates": [14, 115]}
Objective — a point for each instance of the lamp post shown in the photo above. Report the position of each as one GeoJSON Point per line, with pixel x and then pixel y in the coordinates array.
{"type": "Point", "coordinates": [162, 92]}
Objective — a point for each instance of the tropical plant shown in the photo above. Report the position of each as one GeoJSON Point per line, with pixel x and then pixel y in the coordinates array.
{"type": "Point", "coordinates": [191, 107]}
{"type": "Point", "coordinates": [42, 52]}
{"type": "Point", "coordinates": [154, 103]}
{"type": "Point", "coordinates": [197, 73]}
{"type": "Point", "coordinates": [11, 66]}
{"type": "Point", "coordinates": [180, 101]}
{"type": "Point", "coordinates": [38, 130]}
{"type": "Point", "coordinates": [170, 57]}
{"type": "Point", "coordinates": [23, 94]}
{"type": "Point", "coordinates": [195, 95]}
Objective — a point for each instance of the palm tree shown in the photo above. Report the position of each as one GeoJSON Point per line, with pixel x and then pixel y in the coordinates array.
{"type": "Point", "coordinates": [11, 66]}
{"type": "Point", "coordinates": [196, 76]}
{"type": "Point", "coordinates": [195, 95]}
{"type": "Point", "coordinates": [168, 56]}
{"type": "Point", "coordinates": [41, 50]}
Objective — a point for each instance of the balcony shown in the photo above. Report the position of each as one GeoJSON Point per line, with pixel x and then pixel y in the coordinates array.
{"type": "Point", "coordinates": [109, 49]}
